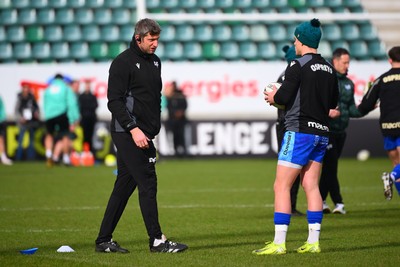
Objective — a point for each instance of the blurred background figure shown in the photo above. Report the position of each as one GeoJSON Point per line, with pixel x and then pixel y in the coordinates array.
{"type": "Point", "coordinates": [3, 156]}
{"type": "Point", "coordinates": [27, 114]}
{"type": "Point", "coordinates": [75, 86]}
{"type": "Point", "coordinates": [60, 113]}
{"type": "Point", "coordinates": [177, 106]}
{"type": "Point", "coordinates": [87, 107]}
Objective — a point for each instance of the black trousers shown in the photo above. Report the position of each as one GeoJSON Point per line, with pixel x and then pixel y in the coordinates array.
{"type": "Point", "coordinates": [136, 168]}
{"type": "Point", "coordinates": [177, 127]}
{"type": "Point", "coordinates": [329, 182]}
{"type": "Point", "coordinates": [87, 125]}
{"type": "Point", "coordinates": [280, 132]}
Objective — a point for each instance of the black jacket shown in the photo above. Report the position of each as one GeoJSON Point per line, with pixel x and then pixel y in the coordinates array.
{"type": "Point", "coordinates": [309, 90]}
{"type": "Point", "coordinates": [27, 108]}
{"type": "Point", "coordinates": [88, 105]}
{"type": "Point", "coordinates": [177, 105]}
{"type": "Point", "coordinates": [134, 91]}
{"type": "Point", "coordinates": [386, 90]}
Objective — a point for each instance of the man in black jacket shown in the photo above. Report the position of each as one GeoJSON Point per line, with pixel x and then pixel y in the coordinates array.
{"type": "Point", "coordinates": [134, 99]}
{"type": "Point", "coordinates": [177, 105]}
{"type": "Point", "coordinates": [27, 112]}
{"type": "Point", "coordinates": [87, 107]}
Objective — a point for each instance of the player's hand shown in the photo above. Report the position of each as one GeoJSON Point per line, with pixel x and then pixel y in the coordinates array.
{"type": "Point", "coordinates": [269, 97]}
{"type": "Point", "coordinates": [140, 139]}
{"type": "Point", "coordinates": [334, 113]}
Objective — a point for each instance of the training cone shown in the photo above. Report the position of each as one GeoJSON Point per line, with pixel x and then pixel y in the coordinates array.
{"type": "Point", "coordinates": [75, 158]}
{"type": "Point", "coordinates": [65, 249]}
{"type": "Point", "coordinates": [87, 158]}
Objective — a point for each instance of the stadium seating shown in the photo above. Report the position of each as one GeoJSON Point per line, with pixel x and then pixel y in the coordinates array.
{"type": "Point", "coordinates": [79, 50]}
{"type": "Point", "coordinates": [3, 35]}
{"type": "Point", "coordinates": [97, 30]}
{"type": "Point", "coordinates": [192, 51]}
{"type": "Point", "coordinates": [77, 4]}
{"type": "Point", "coordinates": [84, 16]}
{"type": "Point", "coordinates": [59, 51]}
{"type": "Point", "coordinates": [72, 33]}
{"type": "Point", "coordinates": [9, 17]}
{"type": "Point", "coordinates": [230, 50]}
{"type": "Point", "coordinates": [46, 16]}
{"type": "Point", "coordinates": [22, 51]}
{"type": "Point", "coordinates": [6, 53]}
{"type": "Point", "coordinates": [53, 33]}
{"type": "Point", "coordinates": [268, 51]}
{"type": "Point", "coordinates": [359, 49]}
{"type": "Point", "coordinates": [41, 51]}
{"type": "Point", "coordinates": [15, 34]}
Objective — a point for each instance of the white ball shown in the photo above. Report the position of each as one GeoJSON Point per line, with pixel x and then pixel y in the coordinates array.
{"type": "Point", "coordinates": [272, 86]}
{"type": "Point", "coordinates": [363, 155]}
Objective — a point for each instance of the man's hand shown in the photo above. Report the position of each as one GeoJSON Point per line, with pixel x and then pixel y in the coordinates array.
{"type": "Point", "coordinates": [140, 138]}
{"type": "Point", "coordinates": [334, 113]}
{"type": "Point", "coordinates": [269, 97]}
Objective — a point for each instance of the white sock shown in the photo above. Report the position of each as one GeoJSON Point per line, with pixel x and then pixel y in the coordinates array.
{"type": "Point", "coordinates": [66, 159]}
{"type": "Point", "coordinates": [157, 242]}
{"type": "Point", "coordinates": [280, 233]}
{"type": "Point", "coordinates": [48, 153]}
{"type": "Point", "coordinates": [313, 232]}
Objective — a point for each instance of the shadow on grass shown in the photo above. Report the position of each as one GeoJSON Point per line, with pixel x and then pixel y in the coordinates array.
{"type": "Point", "coordinates": [360, 248]}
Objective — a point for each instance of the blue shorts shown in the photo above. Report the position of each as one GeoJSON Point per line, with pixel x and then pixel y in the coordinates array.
{"type": "Point", "coordinates": [300, 148]}
{"type": "Point", "coordinates": [391, 142]}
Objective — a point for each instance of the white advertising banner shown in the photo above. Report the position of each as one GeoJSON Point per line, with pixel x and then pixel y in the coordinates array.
{"type": "Point", "coordinates": [217, 90]}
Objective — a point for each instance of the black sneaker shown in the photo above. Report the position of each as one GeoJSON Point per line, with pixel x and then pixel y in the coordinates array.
{"type": "Point", "coordinates": [169, 247]}
{"type": "Point", "coordinates": [295, 212]}
{"type": "Point", "coordinates": [110, 246]}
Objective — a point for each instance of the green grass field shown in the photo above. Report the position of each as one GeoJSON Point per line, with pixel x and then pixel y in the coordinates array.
{"type": "Point", "coordinates": [223, 209]}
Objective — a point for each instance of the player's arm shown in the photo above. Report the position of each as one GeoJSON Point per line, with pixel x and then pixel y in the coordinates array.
{"type": "Point", "coordinates": [118, 82]}
{"type": "Point", "coordinates": [290, 85]}
{"type": "Point", "coordinates": [335, 95]}
{"type": "Point", "coordinates": [353, 111]}
{"type": "Point", "coordinates": [369, 100]}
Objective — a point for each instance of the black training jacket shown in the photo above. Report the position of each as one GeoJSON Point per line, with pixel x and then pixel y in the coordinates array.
{"type": "Point", "coordinates": [385, 89]}
{"type": "Point", "coordinates": [134, 91]}
{"type": "Point", "coordinates": [309, 90]}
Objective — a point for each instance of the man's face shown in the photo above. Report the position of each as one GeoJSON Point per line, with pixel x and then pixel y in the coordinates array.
{"type": "Point", "coordinates": [297, 46]}
{"type": "Point", "coordinates": [148, 44]}
{"type": "Point", "coordinates": [341, 64]}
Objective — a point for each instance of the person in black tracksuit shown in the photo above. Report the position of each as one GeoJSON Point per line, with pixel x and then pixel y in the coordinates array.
{"type": "Point", "coordinates": [134, 99]}
{"type": "Point", "coordinates": [290, 54]}
{"type": "Point", "coordinates": [87, 107]}
{"type": "Point", "coordinates": [177, 105]}
{"type": "Point", "coordinates": [27, 112]}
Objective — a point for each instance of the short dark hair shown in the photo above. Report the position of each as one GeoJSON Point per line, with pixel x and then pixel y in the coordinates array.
{"type": "Point", "coordinates": [145, 26]}
{"type": "Point", "coordinates": [338, 52]}
{"type": "Point", "coordinates": [59, 76]}
{"type": "Point", "coordinates": [394, 53]}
